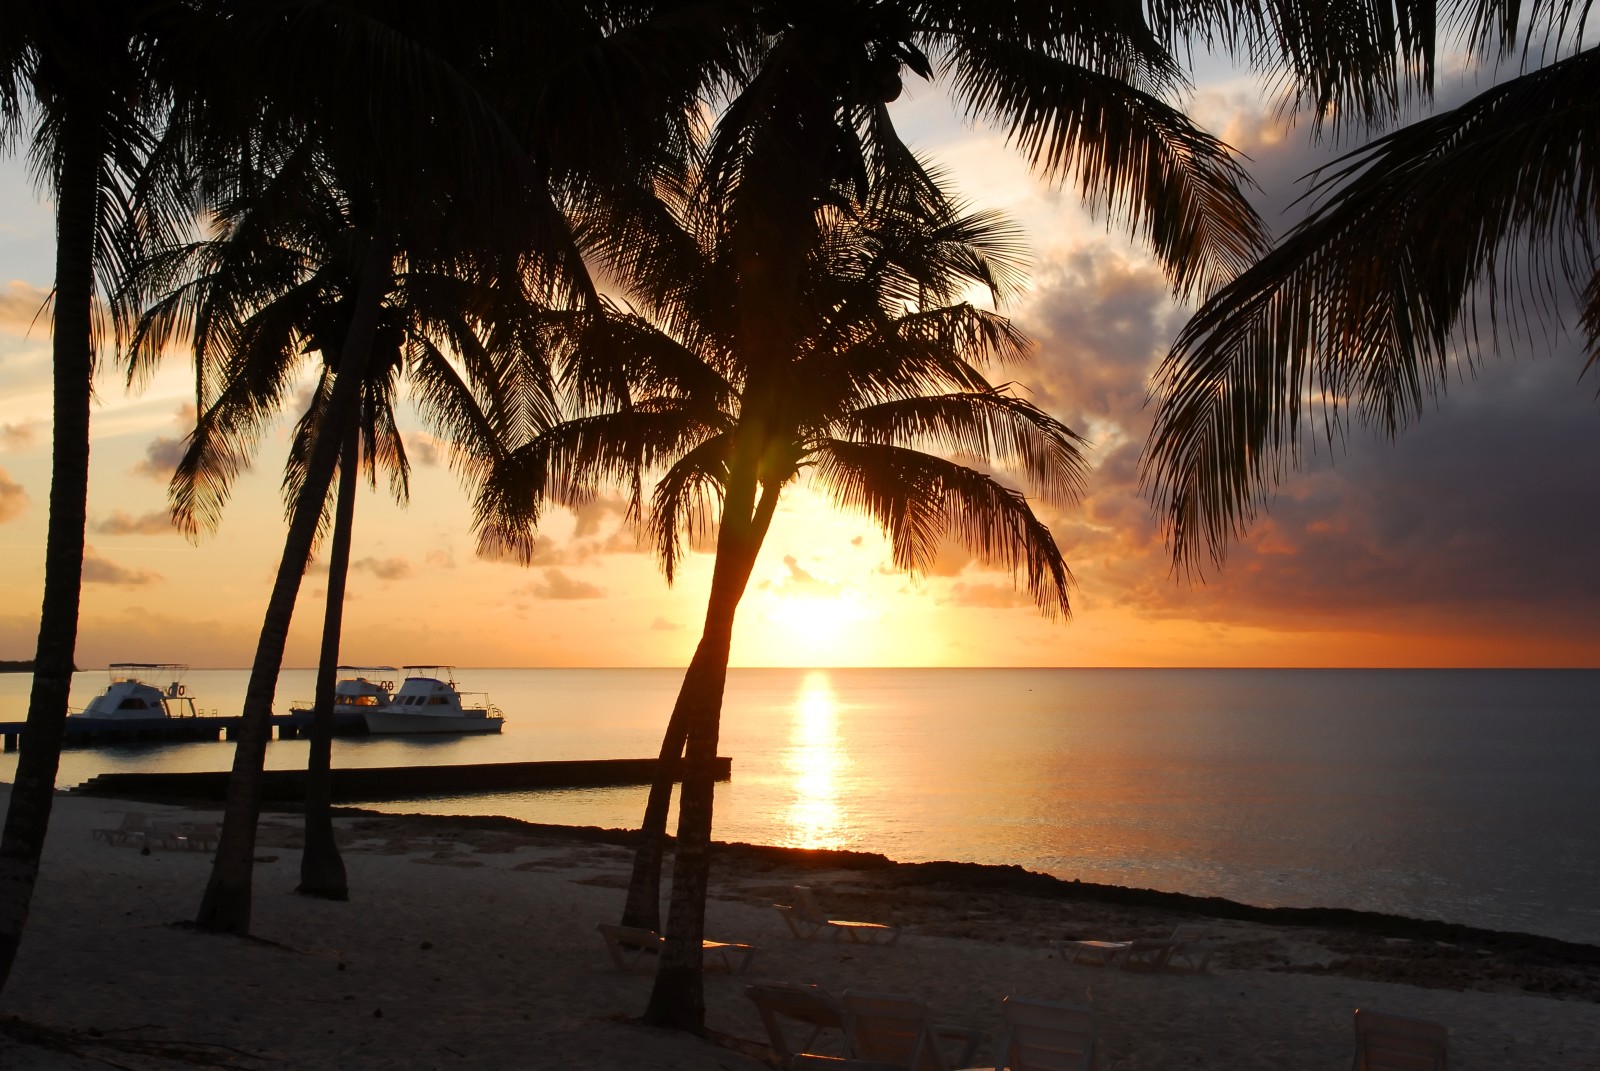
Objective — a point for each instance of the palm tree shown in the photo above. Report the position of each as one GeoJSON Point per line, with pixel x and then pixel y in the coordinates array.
{"type": "Point", "coordinates": [885, 359]}
{"type": "Point", "coordinates": [276, 284]}
{"type": "Point", "coordinates": [95, 79]}
{"type": "Point", "coordinates": [1083, 93]}
{"type": "Point", "coordinates": [1478, 219]}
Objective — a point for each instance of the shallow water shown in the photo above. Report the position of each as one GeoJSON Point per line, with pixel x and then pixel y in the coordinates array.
{"type": "Point", "coordinates": [1472, 796]}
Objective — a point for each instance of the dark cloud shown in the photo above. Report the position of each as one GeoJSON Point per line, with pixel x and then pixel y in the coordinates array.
{"type": "Point", "coordinates": [384, 568]}
{"type": "Point", "coordinates": [98, 570]}
{"type": "Point", "coordinates": [558, 585]}
{"type": "Point", "coordinates": [161, 457]}
{"type": "Point", "coordinates": [13, 499]}
{"type": "Point", "coordinates": [156, 522]}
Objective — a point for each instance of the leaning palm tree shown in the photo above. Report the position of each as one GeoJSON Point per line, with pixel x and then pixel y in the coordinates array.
{"type": "Point", "coordinates": [1084, 94]}
{"type": "Point", "coordinates": [1476, 222]}
{"type": "Point", "coordinates": [275, 285]}
{"type": "Point", "coordinates": [882, 382]}
{"type": "Point", "coordinates": [96, 80]}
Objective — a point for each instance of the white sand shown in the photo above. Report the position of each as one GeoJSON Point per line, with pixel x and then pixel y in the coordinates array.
{"type": "Point", "coordinates": [480, 952]}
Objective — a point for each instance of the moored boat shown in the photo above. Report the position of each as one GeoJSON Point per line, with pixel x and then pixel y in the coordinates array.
{"type": "Point", "coordinates": [131, 697]}
{"type": "Point", "coordinates": [356, 692]}
{"type": "Point", "coordinates": [429, 702]}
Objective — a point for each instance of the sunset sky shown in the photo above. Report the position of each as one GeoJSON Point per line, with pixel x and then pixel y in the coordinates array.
{"type": "Point", "coordinates": [1468, 542]}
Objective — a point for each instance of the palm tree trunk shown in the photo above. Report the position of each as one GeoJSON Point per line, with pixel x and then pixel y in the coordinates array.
{"type": "Point", "coordinates": [643, 907]}
{"type": "Point", "coordinates": [33, 787]}
{"type": "Point", "coordinates": [321, 867]}
{"type": "Point", "coordinates": [677, 999]}
{"type": "Point", "coordinates": [225, 907]}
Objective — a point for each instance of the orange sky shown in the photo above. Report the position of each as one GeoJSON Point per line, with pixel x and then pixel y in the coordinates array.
{"type": "Point", "coordinates": [1467, 543]}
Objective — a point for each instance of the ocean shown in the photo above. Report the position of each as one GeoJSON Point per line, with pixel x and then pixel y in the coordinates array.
{"type": "Point", "coordinates": [1471, 796]}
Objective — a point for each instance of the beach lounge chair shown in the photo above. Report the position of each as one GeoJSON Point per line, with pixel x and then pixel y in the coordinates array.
{"type": "Point", "coordinates": [634, 949]}
{"type": "Point", "coordinates": [809, 1007]}
{"type": "Point", "coordinates": [1148, 954]}
{"type": "Point", "coordinates": [1395, 1043]}
{"type": "Point", "coordinates": [807, 921]}
{"type": "Point", "coordinates": [1046, 1035]}
{"type": "Point", "coordinates": [1094, 953]}
{"type": "Point", "coordinates": [131, 831]}
{"type": "Point", "coordinates": [1192, 949]}
{"type": "Point", "coordinates": [897, 1029]}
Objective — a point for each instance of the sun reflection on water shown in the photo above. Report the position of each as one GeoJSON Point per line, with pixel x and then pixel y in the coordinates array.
{"type": "Point", "coordinates": [816, 761]}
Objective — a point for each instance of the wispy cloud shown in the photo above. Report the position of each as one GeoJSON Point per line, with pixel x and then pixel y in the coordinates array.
{"type": "Point", "coordinates": [156, 522]}
{"type": "Point", "coordinates": [99, 570]}
{"type": "Point", "coordinates": [661, 624]}
{"type": "Point", "coordinates": [557, 585]}
{"type": "Point", "coordinates": [395, 568]}
{"type": "Point", "coordinates": [20, 436]}
{"type": "Point", "coordinates": [22, 309]}
{"type": "Point", "coordinates": [13, 499]}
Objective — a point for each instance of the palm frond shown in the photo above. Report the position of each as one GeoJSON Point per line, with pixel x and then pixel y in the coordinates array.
{"type": "Point", "coordinates": [918, 499]}
{"type": "Point", "coordinates": [1131, 155]}
{"type": "Point", "coordinates": [993, 426]}
{"type": "Point", "coordinates": [1477, 218]}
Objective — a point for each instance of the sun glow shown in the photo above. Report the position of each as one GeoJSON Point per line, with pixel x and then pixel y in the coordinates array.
{"type": "Point", "coordinates": [816, 761]}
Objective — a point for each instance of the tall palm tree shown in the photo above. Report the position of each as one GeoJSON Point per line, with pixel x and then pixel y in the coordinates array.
{"type": "Point", "coordinates": [1084, 93]}
{"type": "Point", "coordinates": [1473, 222]}
{"type": "Point", "coordinates": [95, 79]}
{"type": "Point", "coordinates": [276, 284]}
{"type": "Point", "coordinates": [885, 360]}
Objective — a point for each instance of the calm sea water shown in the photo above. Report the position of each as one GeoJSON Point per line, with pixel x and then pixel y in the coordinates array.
{"type": "Point", "coordinates": [1470, 796]}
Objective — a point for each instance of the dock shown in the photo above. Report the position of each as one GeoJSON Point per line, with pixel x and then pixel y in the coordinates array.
{"type": "Point", "coordinates": [375, 783]}
{"type": "Point", "coordinates": [94, 732]}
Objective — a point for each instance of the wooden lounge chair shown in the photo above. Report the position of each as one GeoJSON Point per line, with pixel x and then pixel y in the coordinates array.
{"type": "Point", "coordinates": [897, 1030]}
{"type": "Point", "coordinates": [807, 921]}
{"type": "Point", "coordinates": [1046, 1036]}
{"type": "Point", "coordinates": [808, 1006]}
{"type": "Point", "coordinates": [131, 831]}
{"type": "Point", "coordinates": [634, 949]}
{"type": "Point", "coordinates": [1395, 1043]}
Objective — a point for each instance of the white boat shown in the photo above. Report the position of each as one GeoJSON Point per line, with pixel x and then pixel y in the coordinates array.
{"type": "Point", "coordinates": [130, 696]}
{"type": "Point", "coordinates": [359, 689]}
{"type": "Point", "coordinates": [429, 702]}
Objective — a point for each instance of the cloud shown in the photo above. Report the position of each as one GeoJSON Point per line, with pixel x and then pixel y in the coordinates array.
{"type": "Point", "coordinates": [98, 570]}
{"type": "Point", "coordinates": [799, 581]}
{"type": "Point", "coordinates": [156, 522]}
{"type": "Point", "coordinates": [986, 597]}
{"type": "Point", "coordinates": [425, 450]}
{"type": "Point", "coordinates": [594, 513]}
{"type": "Point", "coordinates": [22, 308]}
{"type": "Point", "coordinates": [384, 568]}
{"type": "Point", "coordinates": [13, 499]}
{"type": "Point", "coordinates": [558, 585]}
{"type": "Point", "coordinates": [661, 624]}
{"type": "Point", "coordinates": [160, 459]}
{"type": "Point", "coordinates": [20, 436]}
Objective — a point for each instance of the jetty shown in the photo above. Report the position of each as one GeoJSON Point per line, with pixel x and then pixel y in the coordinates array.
{"type": "Point", "coordinates": [93, 732]}
{"type": "Point", "coordinates": [370, 784]}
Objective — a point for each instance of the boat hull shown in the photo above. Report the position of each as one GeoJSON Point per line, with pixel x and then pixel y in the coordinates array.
{"type": "Point", "coordinates": [394, 721]}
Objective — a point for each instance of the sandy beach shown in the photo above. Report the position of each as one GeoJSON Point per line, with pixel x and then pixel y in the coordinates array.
{"type": "Point", "coordinates": [471, 943]}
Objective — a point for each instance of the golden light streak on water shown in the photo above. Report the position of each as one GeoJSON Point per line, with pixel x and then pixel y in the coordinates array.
{"type": "Point", "coordinates": [815, 762]}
